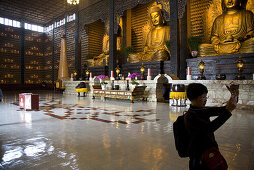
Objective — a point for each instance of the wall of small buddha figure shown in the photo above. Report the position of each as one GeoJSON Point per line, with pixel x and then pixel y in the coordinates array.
{"type": "Point", "coordinates": [95, 32]}
{"type": "Point", "coordinates": [197, 10]}
{"type": "Point", "coordinates": [58, 32]}
{"type": "Point", "coordinates": [70, 43]}
{"type": "Point", "coordinates": [84, 45]}
{"type": "Point", "coordinates": [39, 59]}
{"type": "Point", "coordinates": [139, 17]}
{"type": "Point", "coordinates": [33, 57]}
{"type": "Point", "coordinates": [10, 51]}
{"type": "Point", "coordinates": [48, 57]}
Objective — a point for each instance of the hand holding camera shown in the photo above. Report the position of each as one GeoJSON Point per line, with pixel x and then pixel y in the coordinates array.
{"type": "Point", "coordinates": [234, 90]}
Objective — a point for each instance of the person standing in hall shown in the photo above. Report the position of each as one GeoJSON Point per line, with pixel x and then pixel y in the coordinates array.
{"type": "Point", "coordinates": [203, 149]}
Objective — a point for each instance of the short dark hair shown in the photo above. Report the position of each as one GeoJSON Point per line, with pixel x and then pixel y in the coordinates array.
{"type": "Point", "coordinates": [194, 90]}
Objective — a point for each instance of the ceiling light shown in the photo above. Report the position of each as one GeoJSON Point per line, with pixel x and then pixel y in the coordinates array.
{"type": "Point", "coordinates": [73, 2]}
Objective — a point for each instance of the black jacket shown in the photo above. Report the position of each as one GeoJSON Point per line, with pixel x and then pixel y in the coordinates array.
{"type": "Point", "coordinates": [201, 129]}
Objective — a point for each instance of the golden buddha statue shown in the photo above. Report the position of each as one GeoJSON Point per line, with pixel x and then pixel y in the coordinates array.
{"type": "Point", "coordinates": [103, 58]}
{"type": "Point", "coordinates": [155, 41]}
{"type": "Point", "coordinates": [232, 31]}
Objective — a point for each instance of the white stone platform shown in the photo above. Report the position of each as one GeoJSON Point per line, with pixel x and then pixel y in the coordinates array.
{"type": "Point", "coordinates": [218, 93]}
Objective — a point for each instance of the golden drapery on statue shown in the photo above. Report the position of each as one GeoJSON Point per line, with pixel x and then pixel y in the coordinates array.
{"type": "Point", "coordinates": [155, 40]}
{"type": "Point", "coordinates": [232, 31]}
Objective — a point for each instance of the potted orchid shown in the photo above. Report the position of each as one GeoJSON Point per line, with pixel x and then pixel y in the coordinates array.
{"type": "Point", "coordinates": [133, 77]}
{"type": "Point", "coordinates": [102, 81]}
{"type": "Point", "coordinates": [194, 44]}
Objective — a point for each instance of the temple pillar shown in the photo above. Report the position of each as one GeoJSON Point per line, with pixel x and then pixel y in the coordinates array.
{"type": "Point", "coordinates": [126, 32]}
{"type": "Point", "coordinates": [22, 53]}
{"type": "Point", "coordinates": [53, 56]}
{"type": "Point", "coordinates": [77, 45]}
{"type": "Point", "coordinates": [183, 45]}
{"type": "Point", "coordinates": [112, 38]}
{"type": "Point", "coordinates": [174, 38]}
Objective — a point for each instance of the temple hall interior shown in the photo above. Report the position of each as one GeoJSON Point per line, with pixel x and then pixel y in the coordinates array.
{"type": "Point", "coordinates": [103, 84]}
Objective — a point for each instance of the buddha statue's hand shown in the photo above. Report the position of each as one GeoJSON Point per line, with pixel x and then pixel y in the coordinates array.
{"type": "Point", "coordinates": [229, 38]}
{"type": "Point", "coordinates": [215, 40]}
{"type": "Point", "coordinates": [146, 49]}
{"type": "Point", "coordinates": [216, 48]}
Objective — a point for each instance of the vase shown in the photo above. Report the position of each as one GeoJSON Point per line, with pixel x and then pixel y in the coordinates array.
{"type": "Point", "coordinates": [194, 53]}
{"type": "Point", "coordinates": [103, 86]}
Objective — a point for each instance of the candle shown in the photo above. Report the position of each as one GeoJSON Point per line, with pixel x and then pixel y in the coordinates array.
{"type": "Point", "coordinates": [188, 70]}
{"type": "Point", "coordinates": [91, 75]}
{"type": "Point", "coordinates": [188, 76]}
{"type": "Point", "coordinates": [71, 75]}
{"type": "Point", "coordinates": [149, 72]}
{"type": "Point", "coordinates": [112, 73]}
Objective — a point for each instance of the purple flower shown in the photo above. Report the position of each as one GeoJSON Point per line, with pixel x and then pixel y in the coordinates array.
{"type": "Point", "coordinates": [102, 77]}
{"type": "Point", "coordinates": [133, 75]}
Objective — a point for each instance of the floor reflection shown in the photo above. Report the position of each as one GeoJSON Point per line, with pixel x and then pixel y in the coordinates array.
{"type": "Point", "coordinates": [73, 133]}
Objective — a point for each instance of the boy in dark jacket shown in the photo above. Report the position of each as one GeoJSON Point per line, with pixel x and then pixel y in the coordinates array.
{"type": "Point", "coordinates": [203, 148]}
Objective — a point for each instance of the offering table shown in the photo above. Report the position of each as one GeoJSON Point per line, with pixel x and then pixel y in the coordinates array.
{"type": "Point", "coordinates": [137, 93]}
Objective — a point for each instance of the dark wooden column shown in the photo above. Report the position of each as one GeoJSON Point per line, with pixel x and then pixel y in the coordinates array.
{"type": "Point", "coordinates": [174, 37]}
{"type": "Point", "coordinates": [183, 44]}
{"type": "Point", "coordinates": [53, 56]}
{"type": "Point", "coordinates": [77, 56]}
{"type": "Point", "coordinates": [22, 53]}
{"type": "Point", "coordinates": [112, 38]}
{"type": "Point", "coordinates": [124, 59]}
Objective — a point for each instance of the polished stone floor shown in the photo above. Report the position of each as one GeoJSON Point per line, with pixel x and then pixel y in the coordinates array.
{"type": "Point", "coordinates": [80, 133]}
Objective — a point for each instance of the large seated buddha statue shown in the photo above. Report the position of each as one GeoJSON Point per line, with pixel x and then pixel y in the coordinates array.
{"type": "Point", "coordinates": [103, 58]}
{"type": "Point", "coordinates": [155, 41]}
{"type": "Point", "coordinates": [232, 31]}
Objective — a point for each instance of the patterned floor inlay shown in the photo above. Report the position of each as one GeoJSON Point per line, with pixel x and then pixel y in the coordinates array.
{"type": "Point", "coordinates": [106, 115]}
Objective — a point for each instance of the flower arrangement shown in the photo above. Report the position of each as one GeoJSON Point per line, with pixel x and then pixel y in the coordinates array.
{"type": "Point", "coordinates": [133, 76]}
{"type": "Point", "coordinates": [102, 78]}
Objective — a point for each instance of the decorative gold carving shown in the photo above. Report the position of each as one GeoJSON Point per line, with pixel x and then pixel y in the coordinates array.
{"type": "Point", "coordinates": [232, 31]}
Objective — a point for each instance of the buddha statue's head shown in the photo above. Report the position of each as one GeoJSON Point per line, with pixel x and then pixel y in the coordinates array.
{"type": "Point", "coordinates": [156, 16]}
{"type": "Point", "coordinates": [233, 4]}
